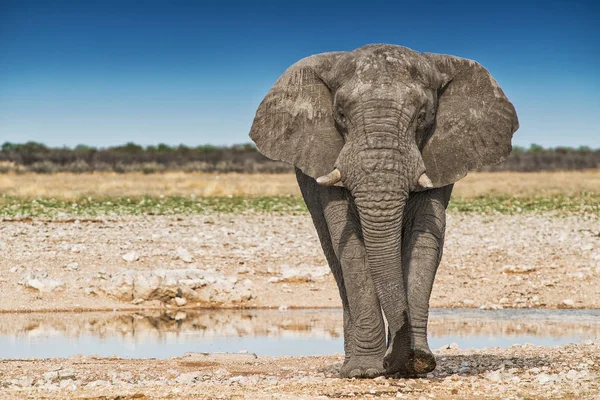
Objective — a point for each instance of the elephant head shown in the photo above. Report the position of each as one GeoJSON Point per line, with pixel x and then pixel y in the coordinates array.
{"type": "Point", "coordinates": [385, 120]}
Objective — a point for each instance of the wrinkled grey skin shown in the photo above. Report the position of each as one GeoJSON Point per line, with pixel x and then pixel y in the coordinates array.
{"type": "Point", "coordinates": [383, 115]}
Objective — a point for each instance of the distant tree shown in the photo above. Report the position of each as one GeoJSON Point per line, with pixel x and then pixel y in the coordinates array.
{"type": "Point", "coordinates": [535, 148]}
{"type": "Point", "coordinates": [8, 147]}
{"type": "Point", "coordinates": [163, 147]}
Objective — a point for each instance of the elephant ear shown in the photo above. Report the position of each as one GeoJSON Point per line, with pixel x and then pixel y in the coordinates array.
{"type": "Point", "coordinates": [474, 124]}
{"type": "Point", "coordinates": [294, 123]}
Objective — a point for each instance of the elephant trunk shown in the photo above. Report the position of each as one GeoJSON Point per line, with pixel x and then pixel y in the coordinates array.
{"type": "Point", "coordinates": [380, 201]}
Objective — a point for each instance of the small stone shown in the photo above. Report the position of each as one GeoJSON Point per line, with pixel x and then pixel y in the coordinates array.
{"type": "Point", "coordinates": [24, 381]}
{"type": "Point", "coordinates": [189, 378]}
{"type": "Point", "coordinates": [572, 374]}
{"type": "Point", "coordinates": [72, 266]}
{"type": "Point", "coordinates": [91, 291]}
{"type": "Point", "coordinates": [137, 301]}
{"type": "Point", "coordinates": [98, 383]}
{"type": "Point", "coordinates": [77, 248]}
{"type": "Point", "coordinates": [66, 374]}
{"type": "Point", "coordinates": [131, 256]}
{"type": "Point", "coordinates": [68, 384]}
{"type": "Point", "coordinates": [184, 255]}
{"type": "Point", "coordinates": [568, 302]}
{"type": "Point", "coordinates": [543, 379]}
{"type": "Point", "coordinates": [180, 301]}
{"type": "Point", "coordinates": [283, 307]}
{"type": "Point", "coordinates": [50, 376]}
{"type": "Point", "coordinates": [451, 346]}
{"type": "Point", "coordinates": [172, 373]}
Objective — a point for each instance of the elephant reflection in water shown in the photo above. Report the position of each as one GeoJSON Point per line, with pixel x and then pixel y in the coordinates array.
{"type": "Point", "coordinates": [378, 136]}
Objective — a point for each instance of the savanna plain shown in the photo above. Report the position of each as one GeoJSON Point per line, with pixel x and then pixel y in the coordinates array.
{"type": "Point", "coordinates": [175, 243]}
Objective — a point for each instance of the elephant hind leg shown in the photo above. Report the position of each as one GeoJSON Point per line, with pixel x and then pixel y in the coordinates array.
{"type": "Point", "coordinates": [423, 241]}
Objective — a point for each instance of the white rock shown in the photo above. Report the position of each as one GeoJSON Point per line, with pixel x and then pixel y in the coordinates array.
{"type": "Point", "coordinates": [189, 378]}
{"type": "Point", "coordinates": [568, 302]}
{"type": "Point", "coordinates": [50, 376]}
{"type": "Point", "coordinates": [180, 301]}
{"type": "Point", "coordinates": [66, 374]}
{"type": "Point", "coordinates": [91, 291]}
{"type": "Point", "coordinates": [131, 256]}
{"type": "Point", "coordinates": [40, 281]}
{"type": "Point", "coordinates": [543, 379]}
{"type": "Point", "coordinates": [98, 383]}
{"type": "Point", "coordinates": [72, 266]}
{"type": "Point", "coordinates": [77, 248]}
{"type": "Point", "coordinates": [184, 255]}
{"type": "Point", "coordinates": [68, 384]}
{"type": "Point", "coordinates": [23, 381]}
{"type": "Point", "coordinates": [451, 346]}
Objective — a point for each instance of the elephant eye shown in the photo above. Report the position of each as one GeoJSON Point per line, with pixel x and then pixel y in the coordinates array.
{"type": "Point", "coordinates": [342, 117]}
{"type": "Point", "coordinates": [421, 116]}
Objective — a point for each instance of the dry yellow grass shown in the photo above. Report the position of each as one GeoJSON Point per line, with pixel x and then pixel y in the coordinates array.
{"type": "Point", "coordinates": [71, 186]}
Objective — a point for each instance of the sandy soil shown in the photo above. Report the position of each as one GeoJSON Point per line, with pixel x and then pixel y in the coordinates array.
{"type": "Point", "coordinates": [489, 261]}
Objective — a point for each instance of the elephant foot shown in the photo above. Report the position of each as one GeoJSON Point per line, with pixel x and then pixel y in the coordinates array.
{"type": "Point", "coordinates": [398, 358]}
{"type": "Point", "coordinates": [362, 367]}
{"type": "Point", "coordinates": [423, 361]}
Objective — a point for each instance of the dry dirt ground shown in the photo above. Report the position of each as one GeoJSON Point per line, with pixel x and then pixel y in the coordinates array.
{"type": "Point", "coordinates": [490, 261]}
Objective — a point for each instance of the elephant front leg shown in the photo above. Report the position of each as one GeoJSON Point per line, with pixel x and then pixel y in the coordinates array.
{"type": "Point", "coordinates": [367, 337]}
{"type": "Point", "coordinates": [311, 192]}
{"type": "Point", "coordinates": [423, 241]}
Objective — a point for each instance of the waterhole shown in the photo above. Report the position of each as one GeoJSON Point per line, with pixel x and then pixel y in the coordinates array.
{"type": "Point", "coordinates": [268, 332]}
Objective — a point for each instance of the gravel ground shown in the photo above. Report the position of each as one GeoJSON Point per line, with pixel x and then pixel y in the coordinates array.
{"type": "Point", "coordinates": [567, 372]}
{"type": "Point", "coordinates": [490, 261]}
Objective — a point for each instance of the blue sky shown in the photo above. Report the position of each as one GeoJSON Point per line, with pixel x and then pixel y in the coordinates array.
{"type": "Point", "coordinates": [107, 72]}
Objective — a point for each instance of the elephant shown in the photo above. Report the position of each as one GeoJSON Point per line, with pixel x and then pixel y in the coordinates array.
{"type": "Point", "coordinates": [378, 136]}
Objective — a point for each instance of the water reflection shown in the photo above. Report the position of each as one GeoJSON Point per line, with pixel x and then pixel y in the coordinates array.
{"type": "Point", "coordinates": [267, 332]}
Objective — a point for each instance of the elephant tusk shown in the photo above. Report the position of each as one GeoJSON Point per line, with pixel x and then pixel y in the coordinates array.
{"type": "Point", "coordinates": [425, 182]}
{"type": "Point", "coordinates": [331, 178]}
